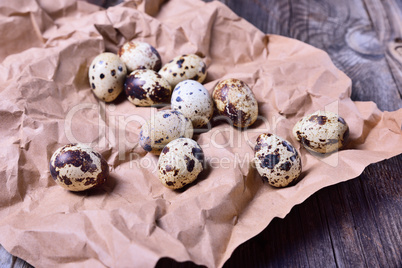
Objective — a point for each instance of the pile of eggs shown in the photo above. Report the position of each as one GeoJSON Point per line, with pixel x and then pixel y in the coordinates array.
{"type": "Point", "coordinates": [137, 70]}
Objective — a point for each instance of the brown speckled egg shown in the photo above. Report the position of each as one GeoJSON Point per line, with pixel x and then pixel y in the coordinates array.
{"type": "Point", "coordinates": [276, 160]}
{"type": "Point", "coordinates": [140, 55]}
{"type": "Point", "coordinates": [77, 167]}
{"type": "Point", "coordinates": [233, 98]}
{"type": "Point", "coordinates": [163, 127]}
{"type": "Point", "coordinates": [106, 76]}
{"type": "Point", "coordinates": [322, 132]}
{"type": "Point", "coordinates": [180, 163]}
{"type": "Point", "coordinates": [147, 88]}
{"type": "Point", "coordinates": [184, 67]}
{"type": "Point", "coordinates": [193, 100]}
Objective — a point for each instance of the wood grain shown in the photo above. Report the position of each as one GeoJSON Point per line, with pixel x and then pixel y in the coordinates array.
{"type": "Point", "coordinates": [358, 36]}
{"type": "Point", "coordinates": [355, 223]}
{"type": "Point", "coordinates": [361, 217]}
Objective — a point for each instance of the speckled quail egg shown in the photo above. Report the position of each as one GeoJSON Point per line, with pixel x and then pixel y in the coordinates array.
{"type": "Point", "coordinates": [106, 76]}
{"type": "Point", "coordinates": [146, 88]}
{"type": "Point", "coordinates": [140, 55]}
{"type": "Point", "coordinates": [180, 163]}
{"type": "Point", "coordinates": [193, 100]}
{"type": "Point", "coordinates": [233, 98]}
{"type": "Point", "coordinates": [163, 127]}
{"type": "Point", "coordinates": [184, 67]}
{"type": "Point", "coordinates": [276, 160]}
{"type": "Point", "coordinates": [322, 132]}
{"type": "Point", "coordinates": [77, 167]}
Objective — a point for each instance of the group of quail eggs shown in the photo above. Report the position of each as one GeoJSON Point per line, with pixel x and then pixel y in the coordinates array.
{"type": "Point", "coordinates": [137, 70]}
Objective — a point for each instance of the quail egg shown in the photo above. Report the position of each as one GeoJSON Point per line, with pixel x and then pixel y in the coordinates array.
{"type": "Point", "coordinates": [163, 127]}
{"type": "Point", "coordinates": [322, 132]}
{"type": "Point", "coordinates": [184, 67]}
{"type": "Point", "coordinates": [233, 98]}
{"type": "Point", "coordinates": [77, 167]}
{"type": "Point", "coordinates": [193, 100]}
{"type": "Point", "coordinates": [180, 163]}
{"type": "Point", "coordinates": [147, 88]}
{"type": "Point", "coordinates": [276, 160]}
{"type": "Point", "coordinates": [106, 76]}
{"type": "Point", "coordinates": [140, 55]}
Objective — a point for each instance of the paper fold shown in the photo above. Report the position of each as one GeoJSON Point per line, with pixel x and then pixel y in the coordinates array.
{"type": "Point", "coordinates": [133, 220]}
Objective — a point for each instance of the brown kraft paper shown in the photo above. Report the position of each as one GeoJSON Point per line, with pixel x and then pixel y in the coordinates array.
{"type": "Point", "coordinates": [133, 220]}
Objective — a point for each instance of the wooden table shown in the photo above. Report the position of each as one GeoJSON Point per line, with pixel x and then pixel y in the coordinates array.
{"type": "Point", "coordinates": [355, 223]}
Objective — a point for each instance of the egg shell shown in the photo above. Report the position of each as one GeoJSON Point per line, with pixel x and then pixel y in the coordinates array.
{"type": "Point", "coordinates": [276, 160]}
{"type": "Point", "coordinates": [322, 132]}
{"type": "Point", "coordinates": [180, 163]}
{"type": "Point", "coordinates": [146, 88]}
{"type": "Point", "coordinates": [163, 127]}
{"type": "Point", "coordinates": [233, 98]}
{"type": "Point", "coordinates": [106, 76]}
{"type": "Point", "coordinates": [77, 167]}
{"type": "Point", "coordinates": [193, 100]}
{"type": "Point", "coordinates": [184, 67]}
{"type": "Point", "coordinates": [140, 55]}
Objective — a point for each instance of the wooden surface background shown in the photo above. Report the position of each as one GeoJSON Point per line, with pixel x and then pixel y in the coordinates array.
{"type": "Point", "coordinates": [355, 223]}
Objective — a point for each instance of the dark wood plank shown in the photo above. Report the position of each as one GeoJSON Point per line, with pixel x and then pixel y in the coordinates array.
{"type": "Point", "coordinates": [345, 30]}
{"type": "Point", "coordinates": [8, 261]}
{"type": "Point", "coordinates": [359, 237]}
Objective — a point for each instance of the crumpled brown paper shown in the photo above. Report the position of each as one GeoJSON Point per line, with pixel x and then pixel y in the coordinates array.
{"type": "Point", "coordinates": [46, 102]}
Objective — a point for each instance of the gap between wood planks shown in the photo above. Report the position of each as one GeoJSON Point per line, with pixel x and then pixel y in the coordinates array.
{"type": "Point", "coordinates": [361, 37]}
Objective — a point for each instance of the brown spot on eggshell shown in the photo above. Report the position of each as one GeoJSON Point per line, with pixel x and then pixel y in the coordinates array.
{"type": "Point", "coordinates": [165, 150]}
{"type": "Point", "coordinates": [73, 167]}
{"type": "Point", "coordinates": [286, 166]}
{"type": "Point", "coordinates": [269, 161]}
{"type": "Point", "coordinates": [181, 160]}
{"type": "Point", "coordinates": [276, 160]}
{"type": "Point", "coordinates": [231, 101]}
{"type": "Point", "coordinates": [319, 119]}
{"type": "Point", "coordinates": [321, 132]}
{"type": "Point", "coordinates": [190, 165]}
{"type": "Point", "coordinates": [161, 95]}
{"type": "Point", "coordinates": [170, 183]}
{"type": "Point", "coordinates": [168, 168]}
{"type": "Point", "coordinates": [133, 87]}
{"type": "Point", "coordinates": [77, 158]}
{"type": "Point", "coordinates": [158, 63]}
{"type": "Point", "coordinates": [180, 62]}
{"type": "Point", "coordinates": [65, 180]}
{"type": "Point", "coordinates": [288, 146]}
{"type": "Point", "coordinates": [341, 120]}
{"type": "Point", "coordinates": [198, 153]}
{"type": "Point", "coordinates": [104, 76]}
{"type": "Point", "coordinates": [53, 171]}
{"type": "Point", "coordinates": [183, 68]}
